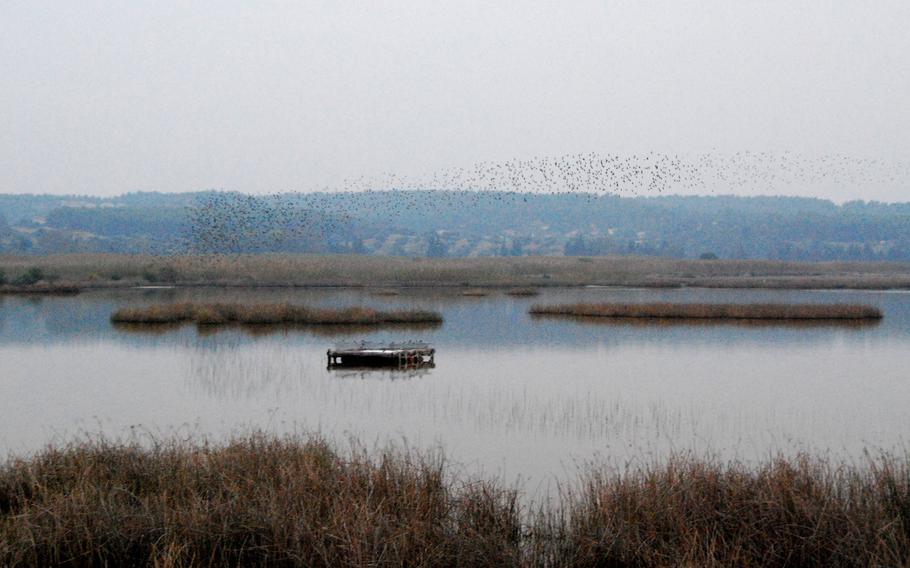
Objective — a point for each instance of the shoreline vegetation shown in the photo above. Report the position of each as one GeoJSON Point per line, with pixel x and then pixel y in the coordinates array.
{"type": "Point", "coordinates": [34, 280]}
{"type": "Point", "coordinates": [268, 314]}
{"type": "Point", "coordinates": [41, 289]}
{"type": "Point", "coordinates": [263, 500]}
{"type": "Point", "coordinates": [87, 271]}
{"type": "Point", "coordinates": [522, 292]}
{"type": "Point", "coordinates": [756, 312]}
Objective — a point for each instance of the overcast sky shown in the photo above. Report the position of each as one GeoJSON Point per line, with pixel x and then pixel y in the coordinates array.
{"type": "Point", "coordinates": [108, 97]}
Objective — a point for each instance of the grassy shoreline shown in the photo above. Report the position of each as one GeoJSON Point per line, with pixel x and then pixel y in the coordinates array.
{"type": "Point", "coordinates": [88, 271]}
{"type": "Point", "coordinates": [262, 500]}
{"type": "Point", "coordinates": [758, 312]}
{"type": "Point", "coordinates": [40, 290]}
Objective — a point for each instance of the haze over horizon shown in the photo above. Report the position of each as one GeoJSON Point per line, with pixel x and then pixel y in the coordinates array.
{"type": "Point", "coordinates": [283, 96]}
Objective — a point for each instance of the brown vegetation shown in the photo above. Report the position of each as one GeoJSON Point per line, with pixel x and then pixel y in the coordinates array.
{"type": "Point", "coordinates": [523, 292]}
{"type": "Point", "coordinates": [214, 314]}
{"type": "Point", "coordinates": [255, 502]}
{"type": "Point", "coordinates": [254, 330]}
{"type": "Point", "coordinates": [475, 293]}
{"type": "Point", "coordinates": [786, 512]}
{"type": "Point", "coordinates": [99, 270]}
{"type": "Point", "coordinates": [41, 289]}
{"type": "Point", "coordinates": [265, 501]}
{"type": "Point", "coordinates": [386, 292]}
{"type": "Point", "coordinates": [714, 311]}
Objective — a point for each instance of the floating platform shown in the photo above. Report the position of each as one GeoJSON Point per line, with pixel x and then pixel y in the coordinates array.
{"type": "Point", "coordinates": [409, 355]}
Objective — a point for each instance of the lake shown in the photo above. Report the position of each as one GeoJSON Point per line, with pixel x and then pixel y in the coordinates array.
{"type": "Point", "coordinates": [511, 395]}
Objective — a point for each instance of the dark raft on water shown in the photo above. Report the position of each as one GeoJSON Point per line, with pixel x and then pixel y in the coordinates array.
{"type": "Point", "coordinates": [408, 355]}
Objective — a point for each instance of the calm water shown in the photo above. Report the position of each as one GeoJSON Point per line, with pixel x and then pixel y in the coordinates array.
{"type": "Point", "coordinates": [510, 394]}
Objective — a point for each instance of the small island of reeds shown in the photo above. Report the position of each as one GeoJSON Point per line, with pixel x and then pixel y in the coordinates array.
{"type": "Point", "coordinates": [263, 314]}
{"type": "Point", "coordinates": [766, 312]}
{"type": "Point", "coordinates": [522, 292]}
{"type": "Point", "coordinates": [475, 293]}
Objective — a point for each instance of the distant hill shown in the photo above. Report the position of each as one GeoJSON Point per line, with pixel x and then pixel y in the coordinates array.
{"type": "Point", "coordinates": [457, 224]}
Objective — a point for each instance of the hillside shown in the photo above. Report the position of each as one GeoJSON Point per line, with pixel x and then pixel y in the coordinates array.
{"type": "Point", "coordinates": [457, 224]}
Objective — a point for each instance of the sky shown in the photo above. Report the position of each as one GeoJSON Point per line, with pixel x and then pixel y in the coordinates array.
{"type": "Point", "coordinates": [108, 97]}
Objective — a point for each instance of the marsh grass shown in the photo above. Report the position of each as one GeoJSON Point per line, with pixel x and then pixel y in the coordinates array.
{"type": "Point", "coordinates": [523, 292]}
{"type": "Point", "coordinates": [261, 500]}
{"type": "Point", "coordinates": [258, 501]}
{"type": "Point", "coordinates": [41, 288]}
{"type": "Point", "coordinates": [265, 330]}
{"type": "Point", "coordinates": [692, 512]}
{"type": "Point", "coordinates": [97, 270]}
{"type": "Point", "coordinates": [35, 280]}
{"type": "Point", "coordinates": [268, 314]}
{"type": "Point", "coordinates": [668, 311]}
{"type": "Point", "coordinates": [386, 292]}
{"type": "Point", "coordinates": [475, 293]}
{"type": "Point", "coordinates": [695, 323]}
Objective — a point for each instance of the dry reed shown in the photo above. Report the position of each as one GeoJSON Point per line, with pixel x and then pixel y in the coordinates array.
{"type": "Point", "coordinates": [691, 512]}
{"type": "Point", "coordinates": [258, 501]}
{"type": "Point", "coordinates": [215, 314]}
{"type": "Point", "coordinates": [41, 289]}
{"type": "Point", "coordinates": [796, 312]}
{"type": "Point", "coordinates": [386, 292]}
{"type": "Point", "coordinates": [523, 292]}
{"type": "Point", "coordinates": [106, 270]}
{"type": "Point", "coordinates": [475, 293]}
{"type": "Point", "coordinates": [268, 501]}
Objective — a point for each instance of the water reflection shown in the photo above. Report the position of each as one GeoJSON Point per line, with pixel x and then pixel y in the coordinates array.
{"type": "Point", "coordinates": [509, 392]}
{"type": "Point", "coordinates": [374, 373]}
{"type": "Point", "coordinates": [495, 320]}
{"type": "Point", "coordinates": [225, 372]}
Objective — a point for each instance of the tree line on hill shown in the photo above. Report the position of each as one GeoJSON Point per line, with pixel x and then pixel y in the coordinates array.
{"type": "Point", "coordinates": [457, 224]}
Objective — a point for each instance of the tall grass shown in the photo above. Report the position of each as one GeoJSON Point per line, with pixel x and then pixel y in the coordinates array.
{"type": "Point", "coordinates": [215, 314]}
{"type": "Point", "coordinates": [690, 512]}
{"type": "Point", "coordinates": [522, 292]}
{"type": "Point", "coordinates": [254, 502]}
{"type": "Point", "coordinates": [42, 288]}
{"type": "Point", "coordinates": [475, 293]}
{"type": "Point", "coordinates": [296, 501]}
{"type": "Point", "coordinates": [100, 270]}
{"type": "Point", "coordinates": [714, 311]}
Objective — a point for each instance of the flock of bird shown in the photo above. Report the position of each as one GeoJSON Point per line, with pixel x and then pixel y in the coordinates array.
{"type": "Point", "coordinates": [227, 222]}
{"type": "Point", "coordinates": [648, 174]}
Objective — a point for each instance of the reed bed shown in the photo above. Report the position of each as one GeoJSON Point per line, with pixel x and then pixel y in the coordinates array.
{"type": "Point", "coordinates": [386, 292]}
{"type": "Point", "coordinates": [262, 500]}
{"type": "Point", "coordinates": [475, 293]}
{"type": "Point", "coordinates": [766, 312]}
{"type": "Point", "coordinates": [286, 314]}
{"type": "Point", "coordinates": [41, 289]}
{"type": "Point", "coordinates": [523, 292]}
{"type": "Point", "coordinates": [113, 271]}
{"type": "Point", "coordinates": [691, 512]}
{"type": "Point", "coordinates": [258, 501]}
{"type": "Point", "coordinates": [251, 330]}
